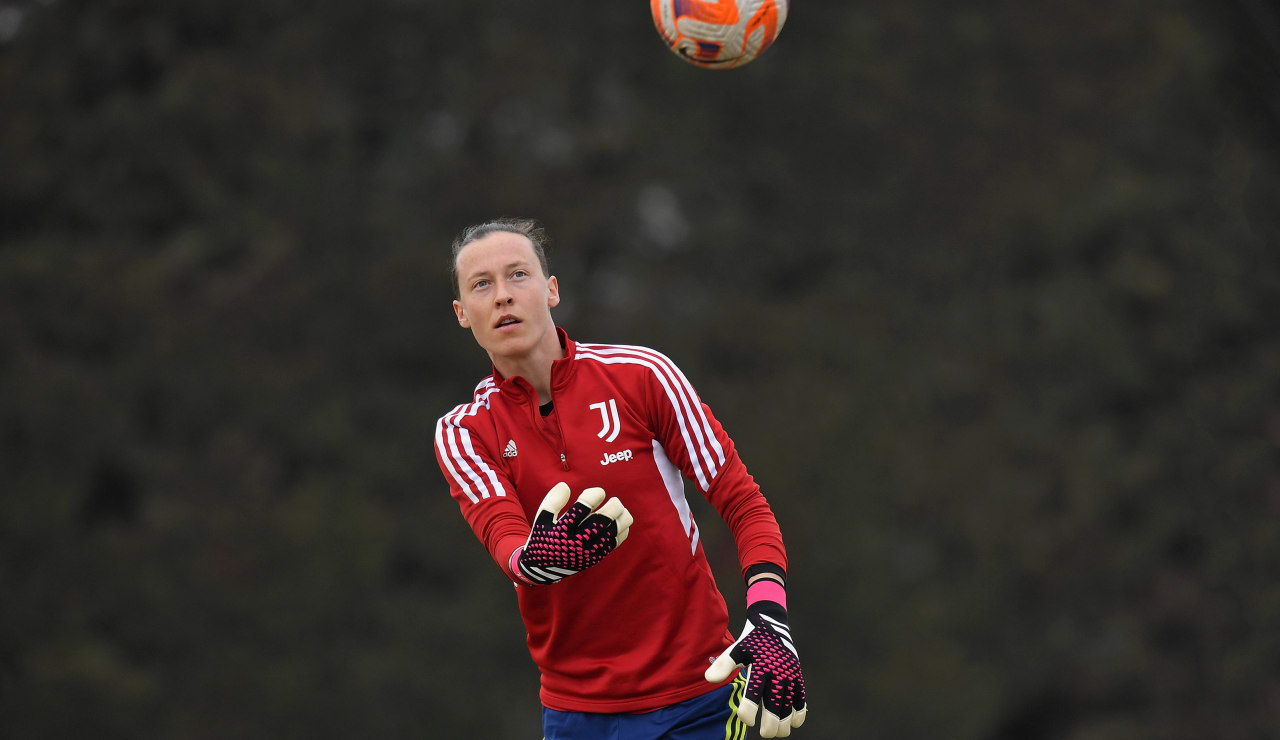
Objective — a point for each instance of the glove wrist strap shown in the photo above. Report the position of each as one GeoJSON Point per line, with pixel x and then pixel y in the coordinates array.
{"type": "Point", "coordinates": [514, 564]}
{"type": "Point", "coordinates": [766, 589]}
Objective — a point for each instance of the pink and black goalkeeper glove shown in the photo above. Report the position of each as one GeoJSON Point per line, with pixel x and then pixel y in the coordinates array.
{"type": "Point", "coordinates": [768, 653]}
{"type": "Point", "coordinates": [558, 547]}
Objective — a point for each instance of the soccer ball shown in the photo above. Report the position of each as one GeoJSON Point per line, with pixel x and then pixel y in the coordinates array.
{"type": "Point", "coordinates": [718, 35]}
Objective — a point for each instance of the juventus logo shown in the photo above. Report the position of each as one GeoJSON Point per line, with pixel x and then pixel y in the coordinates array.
{"type": "Point", "coordinates": [608, 419]}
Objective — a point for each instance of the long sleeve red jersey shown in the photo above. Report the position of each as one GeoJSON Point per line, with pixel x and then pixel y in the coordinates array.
{"type": "Point", "coordinates": [635, 632]}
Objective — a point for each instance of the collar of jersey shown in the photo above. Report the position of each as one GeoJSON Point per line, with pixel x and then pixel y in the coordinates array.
{"type": "Point", "coordinates": [561, 372]}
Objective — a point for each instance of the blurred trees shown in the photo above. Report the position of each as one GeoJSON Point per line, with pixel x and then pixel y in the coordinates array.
{"type": "Point", "coordinates": [986, 296]}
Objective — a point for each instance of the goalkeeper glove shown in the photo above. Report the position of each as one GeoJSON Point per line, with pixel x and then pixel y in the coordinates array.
{"type": "Point", "coordinates": [768, 653]}
{"type": "Point", "coordinates": [558, 547]}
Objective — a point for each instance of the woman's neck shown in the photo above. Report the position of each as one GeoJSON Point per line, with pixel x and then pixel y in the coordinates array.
{"type": "Point", "coordinates": [535, 366]}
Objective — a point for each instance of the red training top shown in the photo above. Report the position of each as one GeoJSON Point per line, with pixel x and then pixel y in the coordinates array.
{"type": "Point", "coordinates": [637, 631]}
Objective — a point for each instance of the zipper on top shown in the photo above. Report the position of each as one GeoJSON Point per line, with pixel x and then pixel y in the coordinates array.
{"type": "Point", "coordinates": [540, 422]}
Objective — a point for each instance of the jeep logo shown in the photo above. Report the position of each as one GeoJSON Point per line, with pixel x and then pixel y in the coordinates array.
{"type": "Point", "coordinates": [610, 457]}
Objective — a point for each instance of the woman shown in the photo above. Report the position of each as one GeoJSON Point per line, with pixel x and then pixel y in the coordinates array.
{"type": "Point", "coordinates": [622, 636]}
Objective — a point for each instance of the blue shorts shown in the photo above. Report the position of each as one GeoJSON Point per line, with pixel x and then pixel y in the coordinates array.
{"type": "Point", "coordinates": [712, 716]}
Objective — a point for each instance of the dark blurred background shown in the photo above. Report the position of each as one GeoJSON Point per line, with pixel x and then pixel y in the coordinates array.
{"type": "Point", "coordinates": [986, 293]}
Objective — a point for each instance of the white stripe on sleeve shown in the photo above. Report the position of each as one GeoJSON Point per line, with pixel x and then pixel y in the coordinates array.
{"type": "Point", "coordinates": [450, 434]}
{"type": "Point", "coordinates": [682, 382]}
{"type": "Point", "coordinates": [627, 359]}
{"type": "Point", "coordinates": [459, 454]}
{"type": "Point", "coordinates": [664, 368]}
{"type": "Point", "coordinates": [498, 490]}
{"type": "Point", "coordinates": [447, 457]}
{"type": "Point", "coordinates": [465, 436]}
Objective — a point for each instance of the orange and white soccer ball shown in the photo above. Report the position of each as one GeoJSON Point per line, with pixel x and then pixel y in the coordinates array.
{"type": "Point", "coordinates": [719, 35]}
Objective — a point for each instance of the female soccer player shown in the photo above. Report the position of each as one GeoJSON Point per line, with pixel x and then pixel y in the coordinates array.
{"type": "Point", "coordinates": [623, 636]}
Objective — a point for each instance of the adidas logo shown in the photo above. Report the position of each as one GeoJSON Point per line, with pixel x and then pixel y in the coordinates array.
{"type": "Point", "coordinates": [510, 450]}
